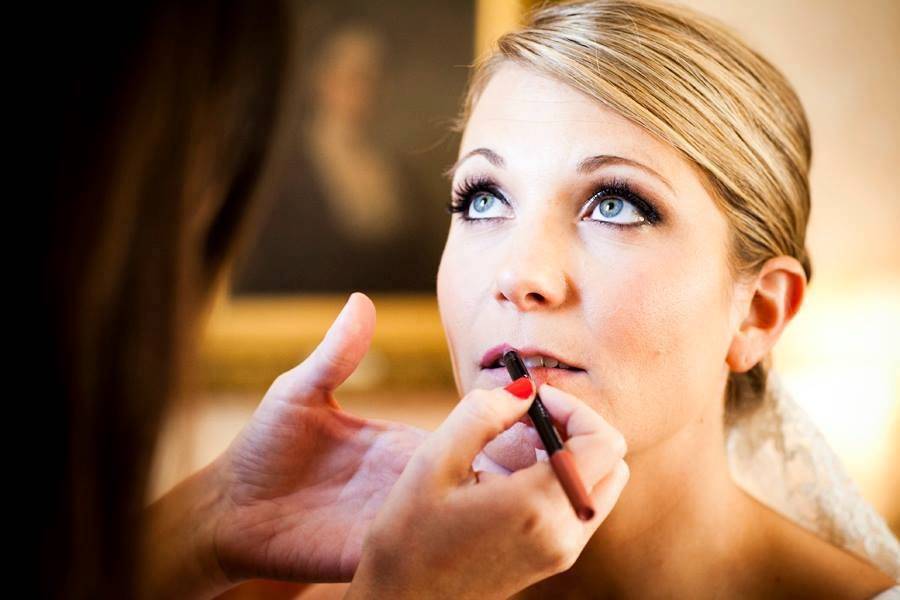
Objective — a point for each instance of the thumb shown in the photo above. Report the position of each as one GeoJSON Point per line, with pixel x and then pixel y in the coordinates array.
{"type": "Point", "coordinates": [336, 356]}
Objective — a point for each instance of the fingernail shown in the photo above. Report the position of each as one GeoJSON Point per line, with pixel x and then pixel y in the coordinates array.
{"type": "Point", "coordinates": [520, 388]}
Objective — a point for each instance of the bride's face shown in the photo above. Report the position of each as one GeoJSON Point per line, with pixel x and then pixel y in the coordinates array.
{"type": "Point", "coordinates": [584, 239]}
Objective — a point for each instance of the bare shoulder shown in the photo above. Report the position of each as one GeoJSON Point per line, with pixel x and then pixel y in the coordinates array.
{"type": "Point", "coordinates": [799, 564]}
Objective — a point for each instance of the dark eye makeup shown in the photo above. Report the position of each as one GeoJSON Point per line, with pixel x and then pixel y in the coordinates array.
{"type": "Point", "coordinates": [612, 189]}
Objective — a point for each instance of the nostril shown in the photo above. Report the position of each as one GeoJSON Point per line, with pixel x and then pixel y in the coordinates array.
{"type": "Point", "coordinates": [531, 299]}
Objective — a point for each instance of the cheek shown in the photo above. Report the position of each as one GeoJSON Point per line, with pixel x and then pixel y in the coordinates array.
{"type": "Point", "coordinates": [660, 328]}
{"type": "Point", "coordinates": [460, 279]}
{"type": "Point", "coordinates": [450, 289]}
{"type": "Point", "coordinates": [447, 301]}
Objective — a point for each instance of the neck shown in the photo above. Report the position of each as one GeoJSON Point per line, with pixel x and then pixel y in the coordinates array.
{"type": "Point", "coordinates": [679, 521]}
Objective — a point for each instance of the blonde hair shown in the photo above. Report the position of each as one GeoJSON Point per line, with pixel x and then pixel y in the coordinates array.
{"type": "Point", "coordinates": [688, 80]}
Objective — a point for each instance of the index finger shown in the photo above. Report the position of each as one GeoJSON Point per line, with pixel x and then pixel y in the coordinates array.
{"type": "Point", "coordinates": [478, 418]}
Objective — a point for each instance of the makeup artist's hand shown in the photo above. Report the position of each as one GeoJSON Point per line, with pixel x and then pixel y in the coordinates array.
{"type": "Point", "coordinates": [443, 534]}
{"type": "Point", "coordinates": [293, 495]}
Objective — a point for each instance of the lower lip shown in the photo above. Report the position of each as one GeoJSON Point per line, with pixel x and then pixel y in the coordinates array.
{"type": "Point", "coordinates": [540, 375]}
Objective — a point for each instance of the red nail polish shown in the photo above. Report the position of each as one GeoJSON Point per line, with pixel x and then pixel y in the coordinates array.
{"type": "Point", "coordinates": [520, 388]}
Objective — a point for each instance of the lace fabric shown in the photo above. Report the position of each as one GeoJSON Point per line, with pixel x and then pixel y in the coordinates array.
{"type": "Point", "coordinates": [778, 456]}
{"type": "Point", "coordinates": [891, 594]}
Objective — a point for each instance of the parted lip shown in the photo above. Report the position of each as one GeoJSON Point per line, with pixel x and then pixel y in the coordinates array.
{"type": "Point", "coordinates": [493, 355]}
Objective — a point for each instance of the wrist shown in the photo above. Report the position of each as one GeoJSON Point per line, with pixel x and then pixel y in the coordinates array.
{"type": "Point", "coordinates": [179, 551]}
{"type": "Point", "coordinates": [381, 574]}
{"type": "Point", "coordinates": [370, 581]}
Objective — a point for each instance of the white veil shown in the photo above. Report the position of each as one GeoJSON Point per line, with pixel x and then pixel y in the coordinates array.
{"type": "Point", "coordinates": [779, 456]}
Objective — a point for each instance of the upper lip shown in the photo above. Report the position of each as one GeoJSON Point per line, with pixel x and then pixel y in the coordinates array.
{"type": "Point", "coordinates": [495, 353]}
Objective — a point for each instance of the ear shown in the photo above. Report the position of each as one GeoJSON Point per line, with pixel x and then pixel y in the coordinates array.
{"type": "Point", "coordinates": [776, 294]}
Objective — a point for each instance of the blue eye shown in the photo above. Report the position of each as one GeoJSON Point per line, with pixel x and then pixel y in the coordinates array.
{"type": "Point", "coordinates": [614, 205]}
{"type": "Point", "coordinates": [485, 205]}
{"type": "Point", "coordinates": [479, 200]}
{"type": "Point", "coordinates": [608, 209]}
{"type": "Point", "coordinates": [483, 201]}
{"type": "Point", "coordinates": [608, 206]}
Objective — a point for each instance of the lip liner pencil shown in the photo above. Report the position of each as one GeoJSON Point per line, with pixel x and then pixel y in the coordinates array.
{"type": "Point", "coordinates": [561, 458]}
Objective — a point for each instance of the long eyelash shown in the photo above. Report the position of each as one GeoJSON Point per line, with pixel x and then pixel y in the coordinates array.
{"type": "Point", "coordinates": [464, 194]}
{"type": "Point", "coordinates": [622, 189]}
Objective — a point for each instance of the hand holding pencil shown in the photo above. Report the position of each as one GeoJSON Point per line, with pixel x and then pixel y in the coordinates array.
{"type": "Point", "coordinates": [450, 521]}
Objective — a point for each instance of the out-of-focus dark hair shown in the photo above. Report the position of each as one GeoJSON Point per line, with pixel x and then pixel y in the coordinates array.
{"type": "Point", "coordinates": [161, 123]}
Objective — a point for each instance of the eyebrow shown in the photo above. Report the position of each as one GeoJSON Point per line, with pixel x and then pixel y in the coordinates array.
{"type": "Point", "coordinates": [592, 163]}
{"type": "Point", "coordinates": [586, 166]}
{"type": "Point", "coordinates": [491, 156]}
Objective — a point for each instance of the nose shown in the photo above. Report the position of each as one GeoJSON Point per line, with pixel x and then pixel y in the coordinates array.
{"type": "Point", "coordinates": [533, 276]}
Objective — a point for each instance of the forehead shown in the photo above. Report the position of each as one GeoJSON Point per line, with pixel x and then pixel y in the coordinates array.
{"type": "Point", "coordinates": [532, 118]}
